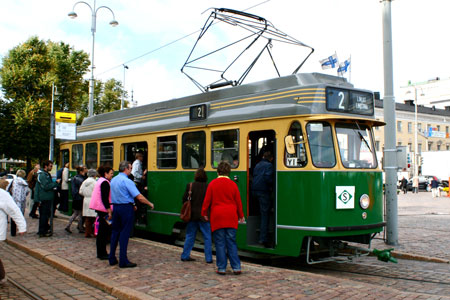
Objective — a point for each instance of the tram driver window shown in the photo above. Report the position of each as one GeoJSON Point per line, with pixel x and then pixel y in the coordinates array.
{"type": "Point", "coordinates": [298, 158]}
{"type": "Point", "coordinates": [356, 146]}
{"type": "Point", "coordinates": [225, 147]}
{"type": "Point", "coordinates": [320, 142]}
{"type": "Point", "coordinates": [77, 155]}
{"type": "Point", "coordinates": [194, 150]}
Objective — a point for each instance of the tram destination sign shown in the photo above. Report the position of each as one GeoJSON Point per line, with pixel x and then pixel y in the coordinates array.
{"type": "Point", "coordinates": [197, 112]}
{"type": "Point", "coordinates": [348, 101]}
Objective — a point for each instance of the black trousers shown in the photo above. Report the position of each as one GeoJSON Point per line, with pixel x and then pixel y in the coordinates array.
{"type": "Point", "coordinates": [34, 209]}
{"type": "Point", "coordinates": [64, 203]}
{"type": "Point", "coordinates": [103, 234]}
{"type": "Point", "coordinates": [45, 209]}
{"type": "Point", "coordinates": [13, 227]}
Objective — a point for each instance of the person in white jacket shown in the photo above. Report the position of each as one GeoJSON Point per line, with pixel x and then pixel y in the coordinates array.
{"type": "Point", "coordinates": [86, 189]}
{"type": "Point", "coordinates": [9, 208]}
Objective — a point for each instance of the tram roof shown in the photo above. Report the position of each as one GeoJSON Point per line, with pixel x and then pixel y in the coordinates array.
{"type": "Point", "coordinates": [282, 96]}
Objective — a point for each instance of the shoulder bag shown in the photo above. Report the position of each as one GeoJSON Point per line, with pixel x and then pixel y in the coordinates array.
{"type": "Point", "coordinates": [185, 213]}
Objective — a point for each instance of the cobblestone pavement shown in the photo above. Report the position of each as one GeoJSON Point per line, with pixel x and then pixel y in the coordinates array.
{"type": "Point", "coordinates": [41, 279]}
{"type": "Point", "coordinates": [162, 275]}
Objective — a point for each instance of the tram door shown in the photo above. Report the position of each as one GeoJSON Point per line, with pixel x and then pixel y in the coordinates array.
{"type": "Point", "coordinates": [259, 144]}
{"type": "Point", "coordinates": [130, 151]}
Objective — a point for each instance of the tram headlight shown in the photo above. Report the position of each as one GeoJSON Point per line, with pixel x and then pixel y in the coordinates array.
{"type": "Point", "coordinates": [364, 201]}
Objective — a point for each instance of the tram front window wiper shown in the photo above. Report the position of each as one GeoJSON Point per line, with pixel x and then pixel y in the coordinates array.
{"type": "Point", "coordinates": [362, 137]}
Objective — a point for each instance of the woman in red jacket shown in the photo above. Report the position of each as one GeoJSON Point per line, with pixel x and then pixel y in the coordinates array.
{"type": "Point", "coordinates": [224, 202]}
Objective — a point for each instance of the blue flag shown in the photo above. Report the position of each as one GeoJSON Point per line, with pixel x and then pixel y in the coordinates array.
{"type": "Point", "coordinates": [330, 62]}
{"type": "Point", "coordinates": [343, 67]}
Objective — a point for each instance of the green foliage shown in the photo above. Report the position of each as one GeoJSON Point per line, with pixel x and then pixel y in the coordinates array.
{"type": "Point", "coordinates": [27, 74]}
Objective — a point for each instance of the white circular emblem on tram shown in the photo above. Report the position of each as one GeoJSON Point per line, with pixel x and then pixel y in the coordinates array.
{"type": "Point", "coordinates": [345, 197]}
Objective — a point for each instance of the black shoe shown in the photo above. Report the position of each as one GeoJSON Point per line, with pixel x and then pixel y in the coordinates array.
{"type": "Point", "coordinates": [81, 231]}
{"type": "Point", "coordinates": [34, 216]}
{"type": "Point", "coordinates": [209, 262]}
{"type": "Point", "coordinates": [67, 229]}
{"type": "Point", "coordinates": [188, 259]}
{"type": "Point", "coordinates": [103, 257]}
{"type": "Point", "coordinates": [128, 265]}
{"type": "Point", "coordinates": [48, 234]}
{"type": "Point", "coordinates": [114, 262]}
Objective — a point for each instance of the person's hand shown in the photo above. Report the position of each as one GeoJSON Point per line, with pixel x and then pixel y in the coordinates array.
{"type": "Point", "coordinates": [58, 180]}
{"type": "Point", "coordinates": [151, 205]}
{"type": "Point", "coordinates": [22, 233]}
{"type": "Point", "coordinates": [206, 218]}
{"type": "Point", "coordinates": [145, 172]}
{"type": "Point", "coordinates": [241, 220]}
{"type": "Point", "coordinates": [134, 207]}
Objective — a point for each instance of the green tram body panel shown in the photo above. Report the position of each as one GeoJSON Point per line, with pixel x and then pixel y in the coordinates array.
{"type": "Point", "coordinates": [304, 199]}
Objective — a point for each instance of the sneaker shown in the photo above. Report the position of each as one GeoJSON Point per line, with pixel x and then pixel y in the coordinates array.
{"type": "Point", "coordinates": [220, 272]}
{"type": "Point", "coordinates": [237, 272]}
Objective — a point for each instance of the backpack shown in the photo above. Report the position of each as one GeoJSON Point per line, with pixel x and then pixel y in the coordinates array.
{"type": "Point", "coordinates": [59, 173]}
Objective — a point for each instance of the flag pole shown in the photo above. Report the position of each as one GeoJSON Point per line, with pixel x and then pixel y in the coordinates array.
{"type": "Point", "coordinates": [350, 71]}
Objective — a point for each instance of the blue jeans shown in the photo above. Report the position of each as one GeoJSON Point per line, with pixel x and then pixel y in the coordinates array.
{"type": "Point", "coordinates": [191, 232]}
{"type": "Point", "coordinates": [264, 208]}
{"type": "Point", "coordinates": [225, 241]}
{"type": "Point", "coordinates": [122, 223]}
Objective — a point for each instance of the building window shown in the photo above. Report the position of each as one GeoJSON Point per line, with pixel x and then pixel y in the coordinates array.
{"type": "Point", "coordinates": [447, 147]}
{"type": "Point", "coordinates": [91, 156]}
{"type": "Point", "coordinates": [429, 145]}
{"type": "Point", "coordinates": [438, 147]}
{"type": "Point", "coordinates": [410, 147]}
{"type": "Point", "coordinates": [409, 127]}
{"type": "Point", "coordinates": [399, 126]}
{"type": "Point", "coordinates": [446, 129]}
{"type": "Point", "coordinates": [106, 154]}
{"type": "Point", "coordinates": [419, 126]}
{"type": "Point", "coordinates": [420, 148]}
{"type": "Point", "coordinates": [438, 127]}
{"type": "Point", "coordinates": [167, 152]}
{"type": "Point", "coordinates": [399, 144]}
{"type": "Point", "coordinates": [377, 146]}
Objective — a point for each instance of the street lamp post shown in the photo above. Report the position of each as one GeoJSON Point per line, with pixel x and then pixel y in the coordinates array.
{"type": "Point", "coordinates": [113, 23]}
{"type": "Point", "coordinates": [122, 103]}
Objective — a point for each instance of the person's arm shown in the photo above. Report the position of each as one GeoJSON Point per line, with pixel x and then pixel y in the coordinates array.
{"type": "Point", "coordinates": [46, 183]}
{"type": "Point", "coordinates": [207, 203]}
{"type": "Point", "coordinates": [237, 198]}
{"type": "Point", "coordinates": [14, 212]}
{"type": "Point", "coordinates": [144, 200]}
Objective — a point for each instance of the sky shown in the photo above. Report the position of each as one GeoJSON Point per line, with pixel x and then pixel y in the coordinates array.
{"type": "Point", "coordinates": [345, 27]}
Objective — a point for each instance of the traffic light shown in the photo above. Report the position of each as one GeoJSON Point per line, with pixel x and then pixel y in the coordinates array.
{"type": "Point", "coordinates": [408, 158]}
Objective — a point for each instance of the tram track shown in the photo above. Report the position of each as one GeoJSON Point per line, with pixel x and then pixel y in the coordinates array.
{"type": "Point", "coordinates": [26, 291]}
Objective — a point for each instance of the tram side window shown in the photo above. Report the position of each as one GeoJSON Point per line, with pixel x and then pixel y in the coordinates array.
{"type": "Point", "coordinates": [320, 142]}
{"type": "Point", "coordinates": [77, 155]}
{"type": "Point", "coordinates": [65, 157]}
{"type": "Point", "coordinates": [106, 154]}
{"type": "Point", "coordinates": [91, 155]}
{"type": "Point", "coordinates": [225, 147]}
{"type": "Point", "coordinates": [194, 150]}
{"type": "Point", "coordinates": [298, 158]}
{"type": "Point", "coordinates": [356, 146]}
{"type": "Point", "coordinates": [167, 152]}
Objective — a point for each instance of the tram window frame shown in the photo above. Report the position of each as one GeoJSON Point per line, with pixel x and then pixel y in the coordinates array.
{"type": "Point", "coordinates": [314, 158]}
{"type": "Point", "coordinates": [164, 155]}
{"type": "Point", "coordinates": [77, 155]}
{"type": "Point", "coordinates": [90, 163]}
{"type": "Point", "coordinates": [229, 153]}
{"type": "Point", "coordinates": [107, 160]}
{"type": "Point", "coordinates": [186, 161]}
{"type": "Point", "coordinates": [295, 160]}
{"type": "Point", "coordinates": [65, 156]}
{"type": "Point", "coordinates": [355, 132]}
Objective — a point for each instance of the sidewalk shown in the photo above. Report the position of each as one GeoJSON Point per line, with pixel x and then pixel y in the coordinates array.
{"type": "Point", "coordinates": [161, 275]}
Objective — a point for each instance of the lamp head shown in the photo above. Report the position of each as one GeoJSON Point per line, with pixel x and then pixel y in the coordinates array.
{"type": "Point", "coordinates": [72, 15]}
{"type": "Point", "coordinates": [113, 23]}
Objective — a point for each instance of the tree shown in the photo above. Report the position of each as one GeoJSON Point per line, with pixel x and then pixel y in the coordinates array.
{"type": "Point", "coordinates": [27, 74]}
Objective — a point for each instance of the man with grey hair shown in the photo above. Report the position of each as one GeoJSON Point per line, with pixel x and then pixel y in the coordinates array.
{"type": "Point", "coordinates": [123, 193]}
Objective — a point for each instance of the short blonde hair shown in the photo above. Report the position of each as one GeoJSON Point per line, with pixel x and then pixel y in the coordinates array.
{"type": "Point", "coordinates": [21, 173]}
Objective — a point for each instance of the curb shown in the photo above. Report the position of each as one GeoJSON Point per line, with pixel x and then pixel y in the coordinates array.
{"type": "Point", "coordinates": [107, 285]}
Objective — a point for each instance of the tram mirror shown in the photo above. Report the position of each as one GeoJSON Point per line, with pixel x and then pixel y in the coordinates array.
{"type": "Point", "coordinates": [289, 142]}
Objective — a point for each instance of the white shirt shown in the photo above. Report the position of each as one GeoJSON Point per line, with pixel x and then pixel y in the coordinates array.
{"type": "Point", "coordinates": [9, 208]}
{"type": "Point", "coordinates": [136, 170]}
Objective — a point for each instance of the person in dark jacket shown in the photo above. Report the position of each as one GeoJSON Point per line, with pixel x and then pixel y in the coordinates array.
{"type": "Point", "coordinates": [198, 191]}
{"type": "Point", "coordinates": [262, 190]}
{"type": "Point", "coordinates": [44, 194]}
{"type": "Point", "coordinates": [404, 185]}
{"type": "Point", "coordinates": [77, 199]}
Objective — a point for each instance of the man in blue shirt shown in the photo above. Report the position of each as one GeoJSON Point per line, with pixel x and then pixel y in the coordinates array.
{"type": "Point", "coordinates": [123, 193]}
{"type": "Point", "coordinates": [262, 190]}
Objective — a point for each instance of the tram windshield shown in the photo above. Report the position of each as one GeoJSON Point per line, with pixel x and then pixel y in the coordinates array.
{"type": "Point", "coordinates": [320, 139]}
{"type": "Point", "coordinates": [356, 146]}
